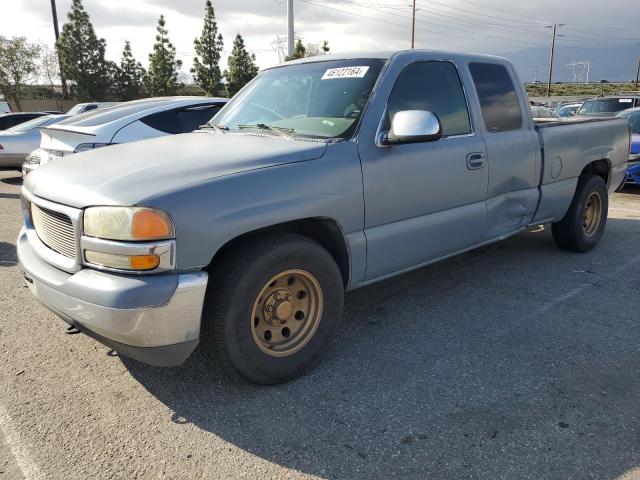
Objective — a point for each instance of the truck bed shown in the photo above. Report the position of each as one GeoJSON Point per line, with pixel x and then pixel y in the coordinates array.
{"type": "Point", "coordinates": [567, 147]}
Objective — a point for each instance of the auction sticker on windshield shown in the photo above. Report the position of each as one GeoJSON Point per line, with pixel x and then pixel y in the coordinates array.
{"type": "Point", "coordinates": [345, 72]}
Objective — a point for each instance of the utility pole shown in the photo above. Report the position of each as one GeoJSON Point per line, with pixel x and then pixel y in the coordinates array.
{"type": "Point", "coordinates": [290, 30]}
{"type": "Point", "coordinates": [638, 74]}
{"type": "Point", "coordinates": [555, 27]}
{"type": "Point", "coordinates": [56, 31]}
{"type": "Point", "coordinates": [413, 27]}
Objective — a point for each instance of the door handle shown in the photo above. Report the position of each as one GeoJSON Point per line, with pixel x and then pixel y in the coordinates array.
{"type": "Point", "coordinates": [475, 161]}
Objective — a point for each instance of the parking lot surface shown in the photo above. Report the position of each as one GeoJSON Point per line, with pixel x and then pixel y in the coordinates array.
{"type": "Point", "coordinates": [516, 361]}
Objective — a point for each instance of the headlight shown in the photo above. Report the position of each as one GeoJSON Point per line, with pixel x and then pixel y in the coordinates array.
{"type": "Point", "coordinates": [127, 223]}
{"type": "Point", "coordinates": [89, 146]}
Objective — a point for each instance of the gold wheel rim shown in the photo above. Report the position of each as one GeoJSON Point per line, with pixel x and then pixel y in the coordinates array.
{"type": "Point", "coordinates": [286, 313]}
{"type": "Point", "coordinates": [592, 214]}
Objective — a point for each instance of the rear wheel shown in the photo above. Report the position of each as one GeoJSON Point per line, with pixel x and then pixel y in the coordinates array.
{"type": "Point", "coordinates": [582, 227]}
{"type": "Point", "coordinates": [273, 305]}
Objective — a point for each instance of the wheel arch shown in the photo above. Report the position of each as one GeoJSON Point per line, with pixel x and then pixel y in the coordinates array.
{"type": "Point", "coordinates": [326, 231]}
{"type": "Point", "coordinates": [601, 167]}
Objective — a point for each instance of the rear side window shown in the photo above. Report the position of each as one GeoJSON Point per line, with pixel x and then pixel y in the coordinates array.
{"type": "Point", "coordinates": [435, 87]}
{"type": "Point", "coordinates": [498, 98]}
{"type": "Point", "coordinates": [183, 120]}
{"type": "Point", "coordinates": [11, 121]}
{"type": "Point", "coordinates": [191, 119]}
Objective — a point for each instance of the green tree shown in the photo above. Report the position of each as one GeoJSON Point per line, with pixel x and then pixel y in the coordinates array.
{"type": "Point", "coordinates": [325, 47]}
{"type": "Point", "coordinates": [242, 67]}
{"type": "Point", "coordinates": [162, 78]}
{"type": "Point", "coordinates": [300, 51]}
{"type": "Point", "coordinates": [81, 55]}
{"type": "Point", "coordinates": [206, 63]}
{"type": "Point", "coordinates": [18, 66]}
{"type": "Point", "coordinates": [129, 76]}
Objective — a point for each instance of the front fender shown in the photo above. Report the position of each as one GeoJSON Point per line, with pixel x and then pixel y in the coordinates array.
{"type": "Point", "coordinates": [210, 214]}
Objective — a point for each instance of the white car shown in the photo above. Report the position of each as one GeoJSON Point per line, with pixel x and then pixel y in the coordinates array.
{"type": "Point", "coordinates": [125, 122]}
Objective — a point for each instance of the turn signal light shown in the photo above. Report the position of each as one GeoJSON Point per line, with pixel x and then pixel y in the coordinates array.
{"type": "Point", "coordinates": [122, 262]}
{"type": "Point", "coordinates": [144, 262]}
{"type": "Point", "coordinates": [150, 224]}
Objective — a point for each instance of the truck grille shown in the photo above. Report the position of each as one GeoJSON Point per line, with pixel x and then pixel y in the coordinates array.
{"type": "Point", "coordinates": [55, 230]}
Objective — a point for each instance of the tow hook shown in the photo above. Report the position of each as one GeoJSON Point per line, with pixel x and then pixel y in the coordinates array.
{"type": "Point", "coordinates": [71, 330]}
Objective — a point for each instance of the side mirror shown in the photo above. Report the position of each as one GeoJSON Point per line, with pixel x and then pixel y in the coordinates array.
{"type": "Point", "coordinates": [413, 126]}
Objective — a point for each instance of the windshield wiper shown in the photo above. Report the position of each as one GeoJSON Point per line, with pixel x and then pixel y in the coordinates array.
{"type": "Point", "coordinates": [283, 131]}
{"type": "Point", "coordinates": [218, 127]}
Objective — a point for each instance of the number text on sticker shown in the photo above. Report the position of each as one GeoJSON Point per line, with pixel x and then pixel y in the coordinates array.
{"type": "Point", "coordinates": [345, 72]}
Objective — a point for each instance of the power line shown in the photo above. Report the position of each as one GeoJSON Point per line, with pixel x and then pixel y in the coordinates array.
{"type": "Point", "coordinates": [511, 27]}
{"type": "Point", "coordinates": [448, 28]}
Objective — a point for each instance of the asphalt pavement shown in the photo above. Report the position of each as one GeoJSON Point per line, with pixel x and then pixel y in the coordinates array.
{"type": "Point", "coordinates": [516, 361]}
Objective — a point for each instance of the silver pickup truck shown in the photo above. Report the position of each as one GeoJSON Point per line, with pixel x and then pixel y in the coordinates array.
{"type": "Point", "coordinates": [320, 176]}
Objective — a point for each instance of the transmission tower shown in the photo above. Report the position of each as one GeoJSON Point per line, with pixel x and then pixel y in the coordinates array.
{"type": "Point", "coordinates": [581, 70]}
{"type": "Point", "coordinates": [280, 47]}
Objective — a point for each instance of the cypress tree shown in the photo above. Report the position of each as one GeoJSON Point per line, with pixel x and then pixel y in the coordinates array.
{"type": "Point", "coordinates": [162, 78]}
{"type": "Point", "coordinates": [129, 76]}
{"type": "Point", "coordinates": [242, 67]}
{"type": "Point", "coordinates": [81, 55]}
{"type": "Point", "coordinates": [206, 63]}
{"type": "Point", "coordinates": [299, 51]}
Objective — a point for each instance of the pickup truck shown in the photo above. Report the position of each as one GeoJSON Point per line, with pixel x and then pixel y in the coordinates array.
{"type": "Point", "coordinates": [322, 175]}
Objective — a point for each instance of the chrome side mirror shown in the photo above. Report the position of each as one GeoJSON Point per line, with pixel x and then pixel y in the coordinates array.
{"type": "Point", "coordinates": [412, 126]}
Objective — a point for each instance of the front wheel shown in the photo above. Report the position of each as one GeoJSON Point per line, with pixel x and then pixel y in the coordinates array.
{"type": "Point", "coordinates": [272, 307]}
{"type": "Point", "coordinates": [582, 227]}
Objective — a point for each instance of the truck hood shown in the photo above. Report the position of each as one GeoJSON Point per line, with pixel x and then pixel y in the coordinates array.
{"type": "Point", "coordinates": [128, 174]}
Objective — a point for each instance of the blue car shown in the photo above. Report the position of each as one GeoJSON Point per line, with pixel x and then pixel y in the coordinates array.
{"type": "Point", "coordinates": [633, 115]}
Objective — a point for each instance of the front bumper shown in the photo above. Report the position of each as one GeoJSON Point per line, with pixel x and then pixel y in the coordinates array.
{"type": "Point", "coordinates": [151, 318]}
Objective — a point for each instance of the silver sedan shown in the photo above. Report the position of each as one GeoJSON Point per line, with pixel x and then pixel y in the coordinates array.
{"type": "Point", "coordinates": [17, 142]}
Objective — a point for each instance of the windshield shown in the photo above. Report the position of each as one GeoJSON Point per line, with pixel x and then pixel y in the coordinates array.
{"type": "Point", "coordinates": [76, 109]}
{"type": "Point", "coordinates": [317, 100]}
{"type": "Point", "coordinates": [31, 124]}
{"type": "Point", "coordinates": [609, 105]}
{"type": "Point", "coordinates": [587, 107]}
{"type": "Point", "coordinates": [634, 120]}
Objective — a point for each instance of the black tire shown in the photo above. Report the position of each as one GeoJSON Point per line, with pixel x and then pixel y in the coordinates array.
{"type": "Point", "coordinates": [237, 282]}
{"type": "Point", "coordinates": [570, 233]}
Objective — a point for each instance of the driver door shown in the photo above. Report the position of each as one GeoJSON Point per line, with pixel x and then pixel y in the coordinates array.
{"type": "Point", "coordinates": [424, 201]}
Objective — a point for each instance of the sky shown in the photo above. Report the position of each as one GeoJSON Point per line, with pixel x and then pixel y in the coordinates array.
{"type": "Point", "coordinates": [481, 26]}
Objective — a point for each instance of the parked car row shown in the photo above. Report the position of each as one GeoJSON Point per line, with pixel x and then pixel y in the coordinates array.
{"type": "Point", "coordinates": [35, 138]}
{"type": "Point", "coordinates": [122, 123]}
{"type": "Point", "coordinates": [625, 105]}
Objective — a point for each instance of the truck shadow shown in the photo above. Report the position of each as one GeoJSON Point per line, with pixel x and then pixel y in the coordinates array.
{"type": "Point", "coordinates": [514, 361]}
{"type": "Point", "coordinates": [8, 255]}
{"type": "Point", "coordinates": [15, 180]}
{"type": "Point", "coordinates": [631, 189]}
